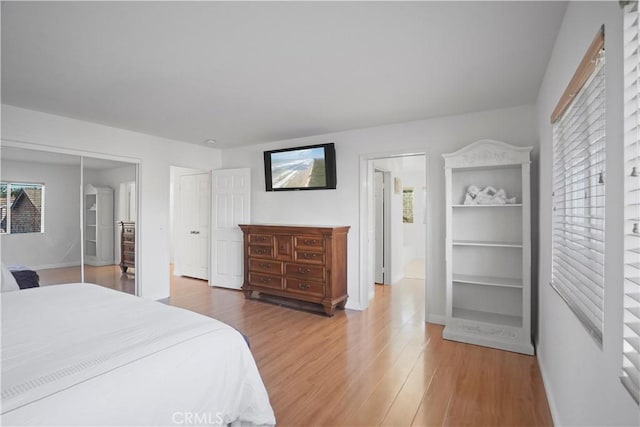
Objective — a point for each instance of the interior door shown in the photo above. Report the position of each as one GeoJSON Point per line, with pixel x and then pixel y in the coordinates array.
{"type": "Point", "coordinates": [378, 205]}
{"type": "Point", "coordinates": [195, 193]}
{"type": "Point", "coordinates": [231, 206]}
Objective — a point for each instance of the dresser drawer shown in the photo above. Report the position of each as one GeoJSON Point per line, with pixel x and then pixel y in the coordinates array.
{"type": "Point", "coordinates": [308, 242]}
{"type": "Point", "coordinates": [260, 239]}
{"type": "Point", "coordinates": [315, 272]}
{"type": "Point", "coordinates": [261, 251]}
{"type": "Point", "coordinates": [309, 257]}
{"type": "Point", "coordinates": [284, 248]}
{"type": "Point", "coordinates": [305, 287]}
{"type": "Point", "coordinates": [265, 280]}
{"type": "Point", "coordinates": [271, 267]}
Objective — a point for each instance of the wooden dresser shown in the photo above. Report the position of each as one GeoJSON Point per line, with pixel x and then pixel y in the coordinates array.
{"type": "Point", "coordinates": [127, 245]}
{"type": "Point", "coordinates": [304, 263]}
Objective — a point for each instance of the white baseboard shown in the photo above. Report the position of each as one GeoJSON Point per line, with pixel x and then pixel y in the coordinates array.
{"type": "Point", "coordinates": [352, 305]}
{"type": "Point", "coordinates": [437, 319]}
{"type": "Point", "coordinates": [58, 265]}
{"type": "Point", "coordinates": [547, 389]}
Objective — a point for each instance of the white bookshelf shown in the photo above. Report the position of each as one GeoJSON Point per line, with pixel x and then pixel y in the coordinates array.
{"type": "Point", "coordinates": [511, 205]}
{"type": "Point", "coordinates": [488, 248]}
{"type": "Point", "coordinates": [487, 280]}
{"type": "Point", "coordinates": [98, 226]}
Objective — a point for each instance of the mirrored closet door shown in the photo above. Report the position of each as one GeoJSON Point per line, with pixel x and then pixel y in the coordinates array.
{"type": "Point", "coordinates": [69, 218]}
{"type": "Point", "coordinates": [40, 205]}
{"type": "Point", "coordinates": [109, 216]}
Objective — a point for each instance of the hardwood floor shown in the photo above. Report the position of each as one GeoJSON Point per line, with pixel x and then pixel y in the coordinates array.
{"type": "Point", "coordinates": [383, 366]}
{"type": "Point", "coordinates": [109, 276]}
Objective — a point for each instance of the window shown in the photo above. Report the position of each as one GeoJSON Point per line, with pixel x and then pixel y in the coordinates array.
{"type": "Point", "coordinates": [407, 205]}
{"type": "Point", "coordinates": [579, 192]}
{"type": "Point", "coordinates": [631, 327]}
{"type": "Point", "coordinates": [21, 208]}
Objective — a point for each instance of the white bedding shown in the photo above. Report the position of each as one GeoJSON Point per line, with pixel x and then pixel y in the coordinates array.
{"type": "Point", "coordinates": [80, 354]}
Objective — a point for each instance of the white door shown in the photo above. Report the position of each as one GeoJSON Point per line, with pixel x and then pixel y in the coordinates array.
{"type": "Point", "coordinates": [231, 206]}
{"type": "Point", "coordinates": [195, 201]}
{"type": "Point", "coordinates": [378, 206]}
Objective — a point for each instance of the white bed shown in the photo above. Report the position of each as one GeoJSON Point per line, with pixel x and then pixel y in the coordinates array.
{"type": "Point", "coordinates": [80, 354]}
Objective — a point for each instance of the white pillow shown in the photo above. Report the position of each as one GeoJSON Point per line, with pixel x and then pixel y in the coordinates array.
{"type": "Point", "coordinates": [8, 281]}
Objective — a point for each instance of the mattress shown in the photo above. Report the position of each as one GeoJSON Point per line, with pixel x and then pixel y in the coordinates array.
{"type": "Point", "coordinates": [81, 354]}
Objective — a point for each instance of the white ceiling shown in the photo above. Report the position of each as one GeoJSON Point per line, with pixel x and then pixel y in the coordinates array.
{"type": "Point", "coordinates": [250, 72]}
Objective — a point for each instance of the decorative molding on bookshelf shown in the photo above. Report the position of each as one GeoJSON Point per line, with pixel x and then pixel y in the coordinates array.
{"type": "Point", "coordinates": [487, 152]}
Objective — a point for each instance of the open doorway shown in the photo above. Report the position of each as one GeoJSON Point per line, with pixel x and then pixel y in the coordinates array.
{"type": "Point", "coordinates": [394, 214]}
{"type": "Point", "coordinates": [414, 207]}
{"type": "Point", "coordinates": [190, 218]}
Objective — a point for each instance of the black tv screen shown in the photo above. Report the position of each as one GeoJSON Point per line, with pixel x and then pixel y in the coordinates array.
{"type": "Point", "coordinates": [301, 168]}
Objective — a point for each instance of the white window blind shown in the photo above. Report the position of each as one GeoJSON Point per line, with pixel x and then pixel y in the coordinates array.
{"type": "Point", "coordinates": [631, 328]}
{"type": "Point", "coordinates": [579, 202]}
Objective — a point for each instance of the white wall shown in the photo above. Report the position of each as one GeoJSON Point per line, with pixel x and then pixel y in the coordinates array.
{"type": "Point", "coordinates": [59, 246]}
{"type": "Point", "coordinates": [581, 379]}
{"type": "Point", "coordinates": [341, 206]}
{"type": "Point", "coordinates": [155, 154]}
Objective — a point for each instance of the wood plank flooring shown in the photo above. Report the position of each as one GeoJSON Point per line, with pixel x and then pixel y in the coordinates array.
{"type": "Point", "coordinates": [109, 276]}
{"type": "Point", "coordinates": [383, 366]}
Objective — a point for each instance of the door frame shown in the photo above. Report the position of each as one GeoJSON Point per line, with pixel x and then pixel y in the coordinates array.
{"type": "Point", "coordinates": [367, 244]}
{"type": "Point", "coordinates": [386, 224]}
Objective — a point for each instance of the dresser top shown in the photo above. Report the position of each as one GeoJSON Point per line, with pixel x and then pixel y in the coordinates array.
{"type": "Point", "coordinates": [298, 226]}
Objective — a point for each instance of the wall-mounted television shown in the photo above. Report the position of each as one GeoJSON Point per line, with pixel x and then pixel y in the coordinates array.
{"type": "Point", "coordinates": [312, 167]}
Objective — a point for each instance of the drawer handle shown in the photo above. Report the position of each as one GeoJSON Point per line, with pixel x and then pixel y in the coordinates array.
{"type": "Point", "coordinates": [265, 265]}
{"type": "Point", "coordinates": [304, 270]}
{"type": "Point", "coordinates": [261, 251]}
{"type": "Point", "coordinates": [261, 238]}
{"type": "Point", "coordinates": [307, 255]}
{"type": "Point", "coordinates": [304, 285]}
{"type": "Point", "coordinates": [265, 279]}
{"type": "Point", "coordinates": [310, 241]}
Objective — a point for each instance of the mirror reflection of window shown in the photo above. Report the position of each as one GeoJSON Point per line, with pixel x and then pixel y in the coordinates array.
{"type": "Point", "coordinates": [21, 208]}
